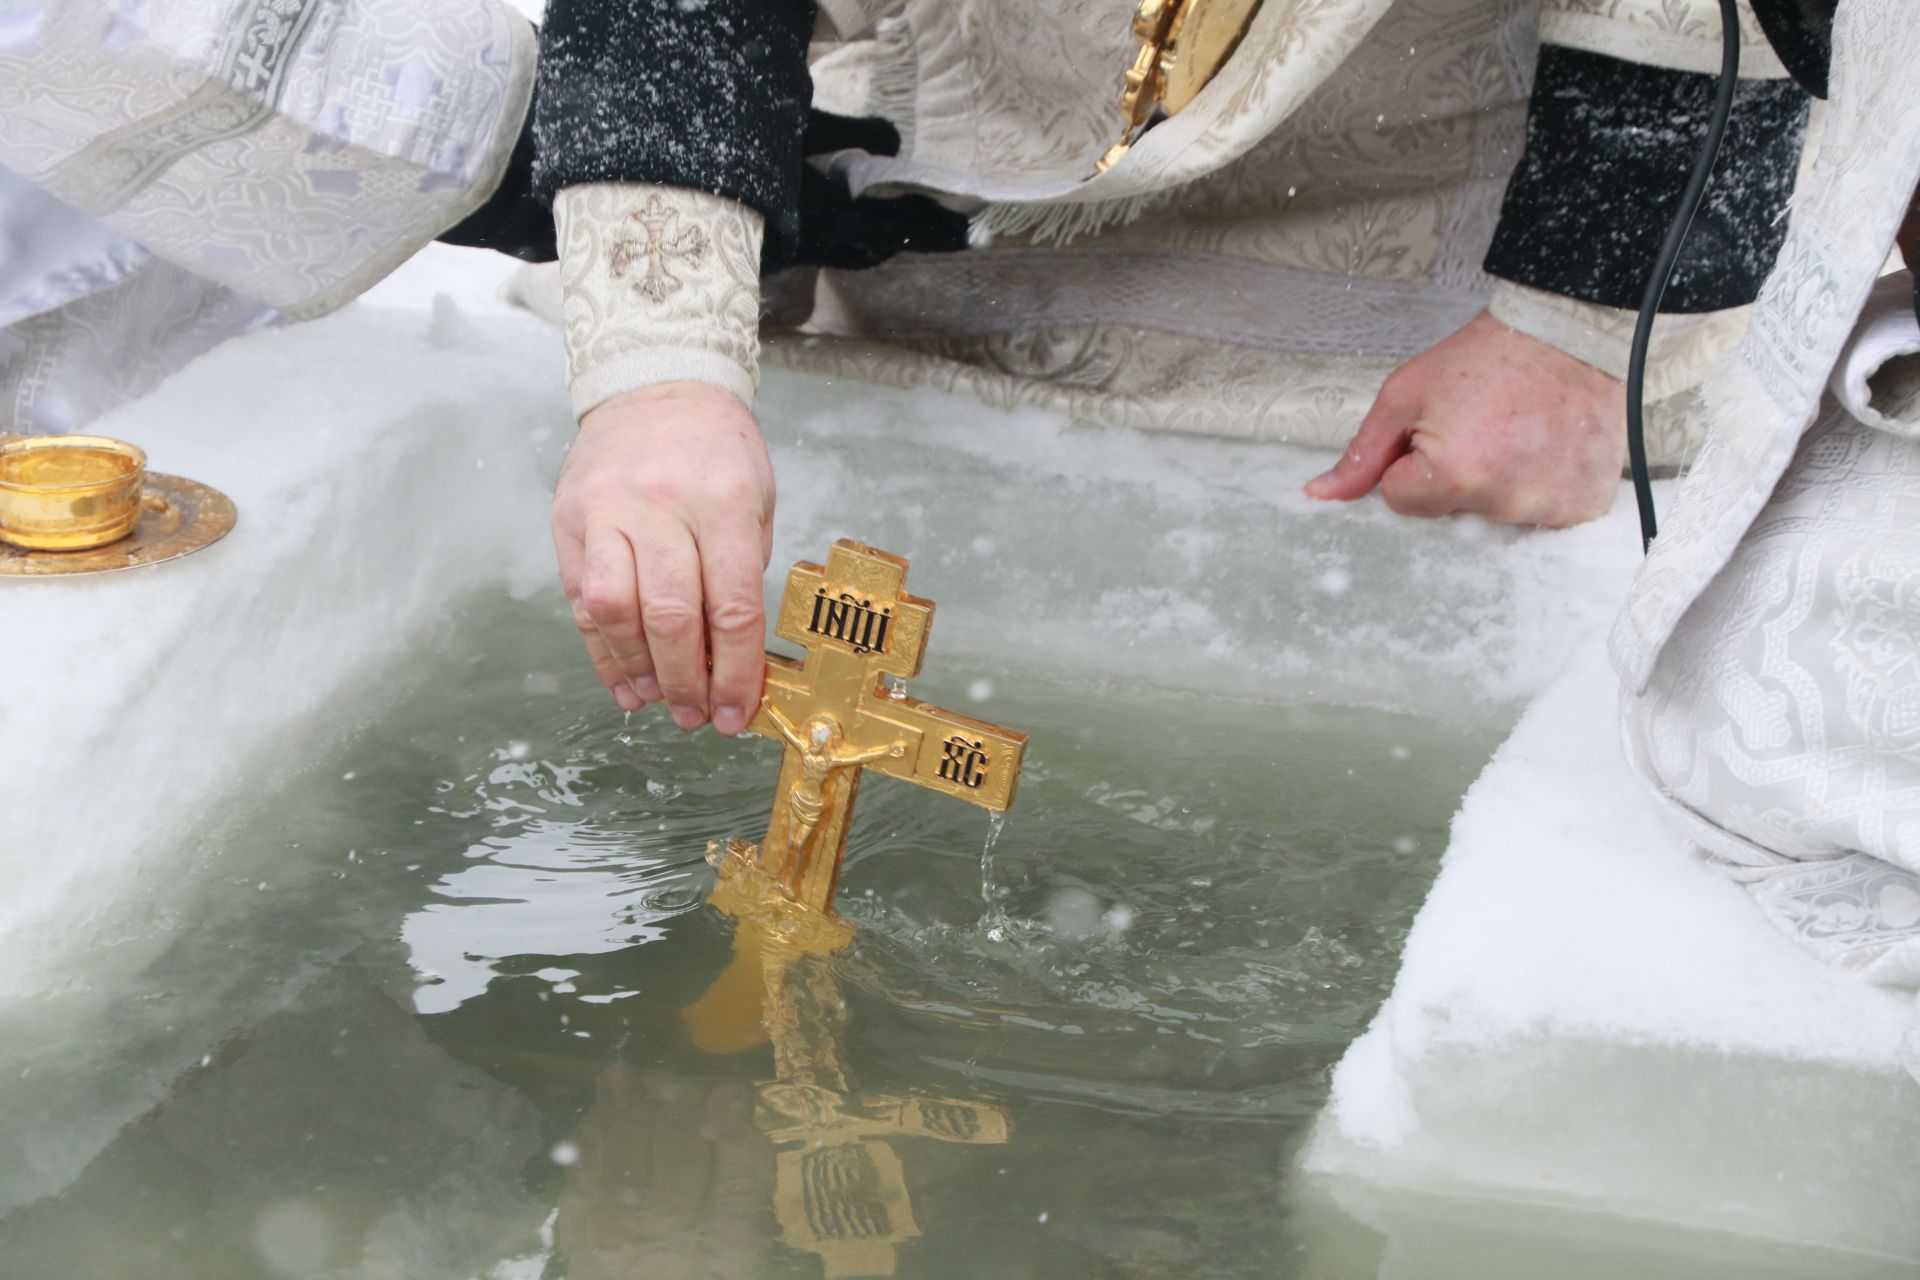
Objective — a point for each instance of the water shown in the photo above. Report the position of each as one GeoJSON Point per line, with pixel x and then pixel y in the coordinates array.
{"type": "Point", "coordinates": [415, 1012]}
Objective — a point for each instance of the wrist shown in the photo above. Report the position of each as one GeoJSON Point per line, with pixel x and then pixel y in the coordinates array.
{"type": "Point", "coordinates": [700, 398]}
{"type": "Point", "coordinates": [637, 374]}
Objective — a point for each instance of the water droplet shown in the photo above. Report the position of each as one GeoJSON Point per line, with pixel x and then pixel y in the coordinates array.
{"type": "Point", "coordinates": [996, 823]}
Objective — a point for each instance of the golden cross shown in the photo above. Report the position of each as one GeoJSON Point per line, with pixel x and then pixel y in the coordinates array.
{"type": "Point", "coordinates": [840, 1189]}
{"type": "Point", "coordinates": [837, 719]}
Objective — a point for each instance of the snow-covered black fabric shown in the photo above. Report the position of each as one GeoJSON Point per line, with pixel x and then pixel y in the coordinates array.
{"type": "Point", "coordinates": [515, 220]}
{"type": "Point", "coordinates": [1610, 145]}
{"type": "Point", "coordinates": [713, 95]}
{"type": "Point", "coordinates": [1801, 32]}
{"type": "Point", "coordinates": [707, 94]}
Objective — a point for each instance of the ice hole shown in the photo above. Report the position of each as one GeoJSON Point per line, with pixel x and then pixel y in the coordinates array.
{"type": "Point", "coordinates": [459, 1053]}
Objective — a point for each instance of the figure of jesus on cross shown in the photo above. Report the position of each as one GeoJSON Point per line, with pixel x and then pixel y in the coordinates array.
{"type": "Point", "coordinates": [822, 748]}
{"type": "Point", "coordinates": [837, 719]}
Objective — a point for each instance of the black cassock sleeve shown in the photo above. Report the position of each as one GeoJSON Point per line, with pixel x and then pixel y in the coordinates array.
{"type": "Point", "coordinates": [706, 94]}
{"type": "Point", "coordinates": [1610, 145]}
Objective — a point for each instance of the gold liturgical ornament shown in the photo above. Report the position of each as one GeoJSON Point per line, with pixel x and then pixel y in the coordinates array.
{"type": "Point", "coordinates": [87, 504]}
{"type": "Point", "coordinates": [1183, 45]}
{"type": "Point", "coordinates": [838, 719]}
{"type": "Point", "coordinates": [840, 1189]}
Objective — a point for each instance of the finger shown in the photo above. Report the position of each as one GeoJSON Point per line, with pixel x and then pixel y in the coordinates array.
{"type": "Point", "coordinates": [610, 594]}
{"type": "Point", "coordinates": [730, 569]}
{"type": "Point", "coordinates": [1414, 486]}
{"type": "Point", "coordinates": [606, 666]}
{"type": "Point", "coordinates": [572, 557]}
{"type": "Point", "coordinates": [672, 617]}
{"type": "Point", "coordinates": [1380, 441]}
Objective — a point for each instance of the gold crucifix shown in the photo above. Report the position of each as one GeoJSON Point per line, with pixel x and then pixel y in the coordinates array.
{"type": "Point", "coordinates": [837, 719]}
{"type": "Point", "coordinates": [840, 1189]}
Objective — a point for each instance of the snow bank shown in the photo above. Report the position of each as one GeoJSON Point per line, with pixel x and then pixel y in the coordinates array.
{"type": "Point", "coordinates": [384, 463]}
{"type": "Point", "coordinates": [1586, 1016]}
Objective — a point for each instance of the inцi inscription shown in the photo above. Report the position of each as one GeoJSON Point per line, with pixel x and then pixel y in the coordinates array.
{"type": "Point", "coordinates": [846, 617]}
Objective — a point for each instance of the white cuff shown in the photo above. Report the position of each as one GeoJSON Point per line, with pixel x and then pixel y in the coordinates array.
{"type": "Point", "coordinates": [659, 284]}
{"type": "Point", "coordinates": [1684, 348]}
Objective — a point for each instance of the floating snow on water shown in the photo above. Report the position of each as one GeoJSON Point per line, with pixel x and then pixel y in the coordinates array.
{"type": "Point", "coordinates": [1335, 582]}
{"type": "Point", "coordinates": [1073, 914]}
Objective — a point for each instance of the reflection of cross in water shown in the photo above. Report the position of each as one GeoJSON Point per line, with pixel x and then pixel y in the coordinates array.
{"type": "Point", "coordinates": [840, 1190]}
{"type": "Point", "coordinates": [857, 624]}
{"type": "Point", "coordinates": [663, 242]}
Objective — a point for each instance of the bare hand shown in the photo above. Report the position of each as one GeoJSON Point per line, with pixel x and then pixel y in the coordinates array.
{"type": "Point", "coordinates": [1493, 423]}
{"type": "Point", "coordinates": [663, 523]}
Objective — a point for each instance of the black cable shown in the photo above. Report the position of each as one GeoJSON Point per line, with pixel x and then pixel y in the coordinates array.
{"type": "Point", "coordinates": [1664, 264]}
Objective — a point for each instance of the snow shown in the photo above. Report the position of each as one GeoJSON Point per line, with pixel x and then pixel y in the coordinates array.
{"type": "Point", "coordinates": [380, 473]}
{"type": "Point", "coordinates": [1587, 1015]}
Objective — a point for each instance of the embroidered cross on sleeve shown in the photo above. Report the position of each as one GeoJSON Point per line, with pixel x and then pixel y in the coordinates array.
{"type": "Point", "coordinates": [660, 285]}
{"type": "Point", "coordinates": [661, 240]}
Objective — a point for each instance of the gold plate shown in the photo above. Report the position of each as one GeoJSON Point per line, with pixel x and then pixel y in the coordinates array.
{"type": "Point", "coordinates": [1204, 36]}
{"type": "Point", "coordinates": [1183, 44]}
{"type": "Point", "coordinates": [178, 517]}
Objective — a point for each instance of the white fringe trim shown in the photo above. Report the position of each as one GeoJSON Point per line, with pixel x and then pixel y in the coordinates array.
{"type": "Point", "coordinates": [1061, 222]}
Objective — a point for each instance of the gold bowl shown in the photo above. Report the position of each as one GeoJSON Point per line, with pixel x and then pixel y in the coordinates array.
{"type": "Point", "coordinates": [69, 493]}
